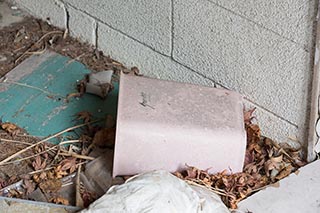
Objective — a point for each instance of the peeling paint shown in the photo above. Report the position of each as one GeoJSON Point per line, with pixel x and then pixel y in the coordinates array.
{"type": "Point", "coordinates": [54, 113]}
{"type": "Point", "coordinates": [40, 114]}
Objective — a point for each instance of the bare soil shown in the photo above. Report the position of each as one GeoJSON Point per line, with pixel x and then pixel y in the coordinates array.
{"type": "Point", "coordinates": [34, 36]}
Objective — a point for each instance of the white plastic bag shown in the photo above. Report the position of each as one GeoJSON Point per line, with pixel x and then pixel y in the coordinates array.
{"type": "Point", "coordinates": [157, 191]}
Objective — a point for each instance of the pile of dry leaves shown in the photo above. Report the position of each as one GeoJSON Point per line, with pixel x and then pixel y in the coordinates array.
{"type": "Point", "coordinates": [52, 166]}
{"type": "Point", "coordinates": [265, 164]}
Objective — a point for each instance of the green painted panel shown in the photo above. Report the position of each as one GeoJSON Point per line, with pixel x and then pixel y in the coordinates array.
{"type": "Point", "coordinates": [42, 115]}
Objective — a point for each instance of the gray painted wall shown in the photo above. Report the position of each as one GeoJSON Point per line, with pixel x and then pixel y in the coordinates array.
{"type": "Point", "coordinates": [263, 49]}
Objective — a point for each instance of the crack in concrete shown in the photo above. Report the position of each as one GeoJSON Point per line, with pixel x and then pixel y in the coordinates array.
{"type": "Point", "coordinates": [172, 28]}
{"type": "Point", "coordinates": [67, 18]}
{"type": "Point", "coordinates": [95, 34]}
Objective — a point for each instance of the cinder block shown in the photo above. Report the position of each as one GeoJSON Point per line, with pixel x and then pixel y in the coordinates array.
{"type": "Point", "coordinates": [166, 125]}
{"type": "Point", "coordinates": [296, 194]}
{"type": "Point", "coordinates": [82, 26]}
{"type": "Point", "coordinates": [155, 65]}
{"type": "Point", "coordinates": [148, 21]}
{"type": "Point", "coordinates": [149, 62]}
{"type": "Point", "coordinates": [44, 9]}
{"type": "Point", "coordinates": [275, 128]}
{"type": "Point", "coordinates": [268, 69]}
{"type": "Point", "coordinates": [291, 19]}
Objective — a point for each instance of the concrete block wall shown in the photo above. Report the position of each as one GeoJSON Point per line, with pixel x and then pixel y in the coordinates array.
{"type": "Point", "coordinates": [263, 49]}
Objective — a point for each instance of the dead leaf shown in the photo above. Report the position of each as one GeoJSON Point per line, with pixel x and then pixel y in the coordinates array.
{"type": "Point", "coordinates": [81, 85]}
{"type": "Point", "coordinates": [29, 186]}
{"type": "Point", "coordinates": [192, 172]}
{"type": "Point", "coordinates": [37, 178]}
{"type": "Point", "coordinates": [51, 175]}
{"type": "Point", "coordinates": [276, 185]}
{"type": "Point", "coordinates": [13, 179]}
{"type": "Point", "coordinates": [253, 133]}
{"type": "Point", "coordinates": [135, 71]}
{"type": "Point", "coordinates": [285, 172]}
{"type": "Point", "coordinates": [72, 95]}
{"type": "Point", "coordinates": [85, 116]}
{"type": "Point", "coordinates": [266, 162]}
{"type": "Point", "coordinates": [20, 35]}
{"type": "Point", "coordinates": [69, 164]}
{"type": "Point", "coordinates": [104, 137]}
{"type": "Point", "coordinates": [132, 71]}
{"type": "Point", "coordinates": [105, 89]}
{"type": "Point", "coordinates": [59, 173]}
{"type": "Point", "coordinates": [38, 165]}
{"type": "Point", "coordinates": [110, 121]}
{"type": "Point", "coordinates": [10, 128]}
{"type": "Point", "coordinates": [3, 183]}
{"type": "Point", "coordinates": [249, 157]}
{"type": "Point", "coordinates": [15, 193]}
{"type": "Point", "coordinates": [278, 159]}
{"type": "Point", "coordinates": [59, 200]}
{"type": "Point", "coordinates": [43, 175]}
{"type": "Point", "coordinates": [248, 116]}
{"type": "Point", "coordinates": [87, 197]}
{"type": "Point", "coordinates": [52, 185]}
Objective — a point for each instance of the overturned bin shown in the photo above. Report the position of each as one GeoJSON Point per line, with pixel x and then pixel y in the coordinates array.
{"type": "Point", "coordinates": [168, 125]}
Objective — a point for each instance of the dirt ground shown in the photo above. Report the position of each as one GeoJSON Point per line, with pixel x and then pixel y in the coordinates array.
{"type": "Point", "coordinates": [18, 42]}
{"type": "Point", "coordinates": [266, 162]}
{"type": "Point", "coordinates": [33, 36]}
{"type": "Point", "coordinates": [8, 148]}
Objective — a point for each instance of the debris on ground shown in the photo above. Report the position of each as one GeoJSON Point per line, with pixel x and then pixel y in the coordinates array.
{"type": "Point", "coordinates": [159, 191]}
{"type": "Point", "coordinates": [266, 162]}
{"type": "Point", "coordinates": [50, 175]}
{"type": "Point", "coordinates": [297, 193]}
{"type": "Point", "coordinates": [34, 168]}
{"type": "Point", "coordinates": [33, 36]}
{"type": "Point", "coordinates": [73, 172]}
{"type": "Point", "coordinates": [96, 83]}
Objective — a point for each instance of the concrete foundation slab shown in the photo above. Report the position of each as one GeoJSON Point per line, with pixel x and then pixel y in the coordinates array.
{"type": "Point", "coordinates": [13, 205]}
{"type": "Point", "coordinates": [297, 193]}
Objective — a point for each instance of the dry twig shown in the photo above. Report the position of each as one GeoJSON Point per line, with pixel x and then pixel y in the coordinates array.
{"type": "Point", "coordinates": [42, 141]}
{"type": "Point", "coordinates": [77, 156]}
{"type": "Point", "coordinates": [79, 201]}
{"type": "Point", "coordinates": [40, 153]}
{"type": "Point", "coordinates": [28, 50]}
{"type": "Point", "coordinates": [31, 87]}
{"type": "Point", "coordinates": [15, 141]}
